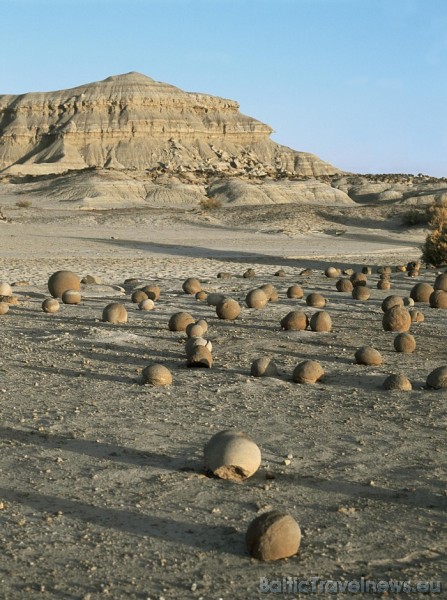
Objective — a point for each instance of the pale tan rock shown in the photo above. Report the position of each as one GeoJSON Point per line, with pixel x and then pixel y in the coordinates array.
{"type": "Point", "coordinates": [232, 455]}
{"type": "Point", "coordinates": [273, 536]}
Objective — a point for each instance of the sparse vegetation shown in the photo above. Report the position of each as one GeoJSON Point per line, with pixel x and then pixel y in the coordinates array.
{"type": "Point", "coordinates": [434, 250]}
{"type": "Point", "coordinates": [415, 217]}
{"type": "Point", "coordinates": [210, 203]}
{"type": "Point", "coordinates": [24, 203]}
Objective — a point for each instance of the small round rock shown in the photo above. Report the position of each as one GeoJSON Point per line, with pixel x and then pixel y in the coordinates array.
{"type": "Point", "coordinates": [5, 289]}
{"type": "Point", "coordinates": [228, 309]}
{"type": "Point", "coordinates": [272, 536]}
{"type": "Point", "coordinates": [321, 321]}
{"type": "Point", "coordinates": [147, 304]}
{"type": "Point", "coordinates": [295, 291]}
{"type": "Point", "coordinates": [308, 371]}
{"type": "Point", "coordinates": [179, 321]}
{"type": "Point", "coordinates": [316, 300]}
{"type": "Point", "coordinates": [191, 285]}
{"type": "Point", "coordinates": [369, 356]}
{"type": "Point", "coordinates": [404, 342]}
{"type": "Point", "coordinates": [263, 367]}
{"type": "Point", "coordinates": [158, 375]}
{"type": "Point", "coordinates": [296, 320]}
{"type": "Point", "coordinates": [232, 455]}
{"type": "Point", "coordinates": [437, 379]}
{"type": "Point", "coordinates": [60, 281]}
{"type": "Point", "coordinates": [114, 313]}
{"type": "Point", "coordinates": [71, 297]}
{"type": "Point", "coordinates": [256, 299]}
{"type": "Point", "coordinates": [4, 308]}
{"type": "Point", "coordinates": [397, 381]}
{"type": "Point", "coordinates": [50, 305]}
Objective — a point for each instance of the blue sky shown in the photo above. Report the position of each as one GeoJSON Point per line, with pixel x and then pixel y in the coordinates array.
{"type": "Point", "coordinates": [360, 83]}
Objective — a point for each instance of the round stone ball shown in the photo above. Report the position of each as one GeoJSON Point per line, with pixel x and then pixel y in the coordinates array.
{"type": "Point", "coordinates": [194, 330]}
{"type": "Point", "coordinates": [61, 281]}
{"type": "Point", "coordinates": [157, 375]}
{"type": "Point", "coordinates": [152, 291]}
{"type": "Point", "coordinates": [201, 296]}
{"type": "Point", "coordinates": [316, 300]}
{"type": "Point", "coordinates": [280, 273]}
{"type": "Point", "coordinates": [361, 292]}
{"type": "Point", "coordinates": [414, 265]}
{"type": "Point", "coordinates": [358, 278]}
{"type": "Point", "coordinates": [416, 316]}
{"type": "Point", "coordinates": [438, 378]}
{"type": "Point", "coordinates": [138, 296]}
{"type": "Point", "coordinates": [273, 536]}
{"type": "Point", "coordinates": [404, 342]}
{"type": "Point", "coordinates": [438, 299]}
{"type": "Point", "coordinates": [263, 367]}
{"type": "Point", "coordinates": [421, 292]}
{"type": "Point", "coordinates": [369, 356]}
{"type": "Point", "coordinates": [193, 342]}
{"type": "Point", "coordinates": [295, 291]}
{"type": "Point", "coordinates": [308, 371]}
{"type": "Point", "coordinates": [199, 357]}
{"type": "Point", "coordinates": [71, 297]}
{"type": "Point", "coordinates": [214, 298]}
{"type": "Point", "coordinates": [191, 285]}
{"type": "Point", "coordinates": [224, 275]}
{"type": "Point", "coordinates": [440, 282]}
{"type": "Point", "coordinates": [5, 289]}
{"type": "Point", "coordinates": [366, 270]}
{"type": "Point", "coordinates": [270, 291]}
{"type": "Point", "coordinates": [396, 319]}
{"type": "Point", "coordinates": [383, 284]}
{"type": "Point", "coordinates": [114, 313]}
{"type": "Point", "coordinates": [408, 301]}
{"type": "Point", "coordinates": [179, 321]}
{"type": "Point", "coordinates": [332, 272]}
{"type": "Point", "coordinates": [249, 273]}
{"type": "Point", "coordinates": [397, 381]}
{"type": "Point", "coordinates": [228, 309]}
{"type": "Point", "coordinates": [147, 304]}
{"type": "Point", "coordinates": [203, 324]}
{"type": "Point", "coordinates": [321, 321]}
{"type": "Point", "coordinates": [4, 307]}
{"type": "Point", "coordinates": [256, 299]}
{"type": "Point", "coordinates": [344, 285]}
{"type": "Point", "coordinates": [232, 455]}
{"type": "Point", "coordinates": [296, 320]}
{"type": "Point", "coordinates": [391, 301]}
{"type": "Point", "coordinates": [50, 305]}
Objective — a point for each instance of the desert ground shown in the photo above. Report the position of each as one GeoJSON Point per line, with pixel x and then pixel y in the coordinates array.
{"type": "Point", "coordinates": [103, 492]}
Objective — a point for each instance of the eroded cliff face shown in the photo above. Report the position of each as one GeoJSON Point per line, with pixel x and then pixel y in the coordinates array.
{"type": "Point", "coordinates": [133, 122]}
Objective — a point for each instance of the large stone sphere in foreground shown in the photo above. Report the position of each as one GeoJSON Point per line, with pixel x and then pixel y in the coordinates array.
{"type": "Point", "coordinates": [232, 455]}
{"type": "Point", "coordinates": [61, 281]}
{"type": "Point", "coordinates": [272, 536]}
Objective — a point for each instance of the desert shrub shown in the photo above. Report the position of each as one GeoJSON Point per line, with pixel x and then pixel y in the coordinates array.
{"type": "Point", "coordinates": [210, 203]}
{"type": "Point", "coordinates": [24, 203]}
{"type": "Point", "coordinates": [415, 217]}
{"type": "Point", "coordinates": [434, 250]}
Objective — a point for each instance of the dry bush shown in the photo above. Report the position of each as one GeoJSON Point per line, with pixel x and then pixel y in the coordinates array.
{"type": "Point", "coordinates": [24, 203]}
{"type": "Point", "coordinates": [210, 203]}
{"type": "Point", "coordinates": [434, 250]}
{"type": "Point", "coordinates": [415, 217]}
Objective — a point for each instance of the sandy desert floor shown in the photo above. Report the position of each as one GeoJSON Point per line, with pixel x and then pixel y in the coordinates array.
{"type": "Point", "coordinates": [102, 488]}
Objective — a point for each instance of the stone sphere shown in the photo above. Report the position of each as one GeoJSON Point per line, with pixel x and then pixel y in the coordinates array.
{"type": "Point", "coordinates": [71, 297]}
{"type": "Point", "coordinates": [203, 324]}
{"type": "Point", "coordinates": [383, 284]}
{"type": "Point", "coordinates": [199, 357]}
{"type": "Point", "coordinates": [321, 321]}
{"type": "Point", "coordinates": [138, 296]}
{"type": "Point", "coordinates": [308, 371]}
{"type": "Point", "coordinates": [194, 330]}
{"type": "Point", "coordinates": [157, 375]}
{"type": "Point", "coordinates": [249, 273]}
{"type": "Point", "coordinates": [114, 313]}
{"type": "Point", "coordinates": [270, 291]}
{"type": "Point", "coordinates": [438, 299]}
{"type": "Point", "coordinates": [440, 282]}
{"type": "Point", "coordinates": [416, 316]}
{"type": "Point", "coordinates": [179, 321]}
{"type": "Point", "coordinates": [361, 293]}
{"type": "Point", "coordinates": [256, 299]}
{"type": "Point", "coordinates": [273, 536]}
{"type": "Point", "coordinates": [397, 381]}
{"type": "Point", "coordinates": [232, 455]}
{"type": "Point", "coordinates": [61, 281]}
{"type": "Point", "coordinates": [369, 356]}
{"type": "Point", "coordinates": [414, 265]}
{"type": "Point", "coordinates": [5, 289]}
{"type": "Point", "coordinates": [344, 285]}
{"type": "Point", "coordinates": [396, 319]}
{"type": "Point", "coordinates": [296, 320]}
{"type": "Point", "coordinates": [391, 301]}
{"type": "Point", "coordinates": [280, 273]}
{"type": "Point", "coordinates": [228, 309]}
{"type": "Point", "coordinates": [332, 272]}
{"type": "Point", "coordinates": [214, 298]}
{"type": "Point", "coordinates": [191, 285]}
{"type": "Point", "coordinates": [316, 300]}
{"type": "Point", "coordinates": [152, 291]}
{"type": "Point", "coordinates": [224, 275]}
{"type": "Point", "coordinates": [201, 296]}
{"type": "Point", "coordinates": [295, 291]}
{"type": "Point", "coordinates": [421, 292]}
{"type": "Point", "coordinates": [147, 304]}
{"type": "Point", "coordinates": [4, 307]}
{"type": "Point", "coordinates": [193, 342]}
{"type": "Point", "coordinates": [438, 378]}
{"type": "Point", "coordinates": [404, 342]}
{"type": "Point", "coordinates": [358, 278]}
{"type": "Point", "coordinates": [263, 367]}
{"type": "Point", "coordinates": [408, 301]}
{"type": "Point", "coordinates": [366, 270]}
{"type": "Point", "coordinates": [50, 305]}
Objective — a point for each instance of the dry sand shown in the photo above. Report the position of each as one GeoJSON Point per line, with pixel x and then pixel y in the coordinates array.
{"type": "Point", "coordinates": [102, 488]}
